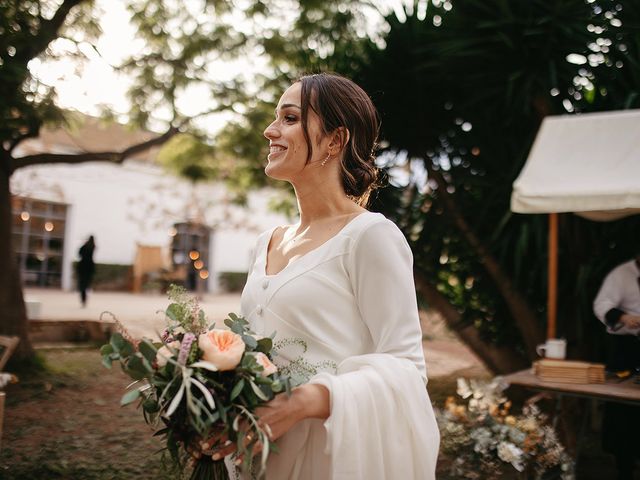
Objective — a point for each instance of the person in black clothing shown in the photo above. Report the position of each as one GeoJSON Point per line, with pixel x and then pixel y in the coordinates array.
{"type": "Point", "coordinates": [86, 268]}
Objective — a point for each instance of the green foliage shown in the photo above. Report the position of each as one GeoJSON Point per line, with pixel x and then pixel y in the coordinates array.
{"type": "Point", "coordinates": [461, 94]}
{"type": "Point", "coordinates": [232, 281]}
{"type": "Point", "coordinates": [184, 310]}
{"type": "Point", "coordinates": [28, 27]}
{"type": "Point", "coordinates": [188, 157]}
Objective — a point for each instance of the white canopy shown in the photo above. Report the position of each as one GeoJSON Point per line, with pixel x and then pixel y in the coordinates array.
{"type": "Point", "coordinates": [588, 164]}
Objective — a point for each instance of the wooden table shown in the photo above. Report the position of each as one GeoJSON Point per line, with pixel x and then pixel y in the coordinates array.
{"type": "Point", "coordinates": [613, 390]}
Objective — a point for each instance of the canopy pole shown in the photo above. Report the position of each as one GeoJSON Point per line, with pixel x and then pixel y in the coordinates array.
{"type": "Point", "coordinates": [552, 289]}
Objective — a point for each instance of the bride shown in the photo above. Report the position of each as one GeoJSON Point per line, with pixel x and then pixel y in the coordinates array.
{"type": "Point", "coordinates": [338, 289]}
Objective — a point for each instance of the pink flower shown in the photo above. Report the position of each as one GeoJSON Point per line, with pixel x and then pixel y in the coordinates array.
{"type": "Point", "coordinates": [165, 352]}
{"type": "Point", "coordinates": [269, 367]}
{"type": "Point", "coordinates": [223, 348]}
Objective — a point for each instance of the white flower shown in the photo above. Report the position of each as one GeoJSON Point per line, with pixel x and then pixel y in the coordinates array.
{"type": "Point", "coordinates": [509, 453]}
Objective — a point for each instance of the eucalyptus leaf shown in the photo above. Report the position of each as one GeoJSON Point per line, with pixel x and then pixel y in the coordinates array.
{"type": "Point", "coordinates": [117, 341]}
{"type": "Point", "coordinates": [265, 345]}
{"type": "Point", "coordinates": [173, 311]}
{"type": "Point", "coordinates": [106, 349]}
{"type": "Point", "coordinates": [130, 397]}
{"type": "Point", "coordinates": [106, 361]}
{"type": "Point", "coordinates": [249, 341]}
{"type": "Point", "coordinates": [259, 393]}
{"type": "Point", "coordinates": [148, 350]}
{"type": "Point", "coordinates": [237, 389]}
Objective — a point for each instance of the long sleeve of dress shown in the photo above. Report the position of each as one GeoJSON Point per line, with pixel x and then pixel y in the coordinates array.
{"type": "Point", "coordinates": [382, 424]}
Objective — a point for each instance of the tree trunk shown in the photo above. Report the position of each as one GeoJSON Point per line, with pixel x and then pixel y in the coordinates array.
{"type": "Point", "coordinates": [13, 314]}
{"type": "Point", "coordinates": [523, 315]}
{"type": "Point", "coordinates": [499, 360]}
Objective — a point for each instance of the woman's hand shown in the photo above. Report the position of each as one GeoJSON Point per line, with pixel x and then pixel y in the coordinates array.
{"type": "Point", "coordinates": [283, 412]}
{"type": "Point", "coordinates": [630, 321]}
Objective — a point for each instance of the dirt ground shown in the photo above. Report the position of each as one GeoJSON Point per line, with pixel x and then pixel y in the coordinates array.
{"type": "Point", "coordinates": [67, 423]}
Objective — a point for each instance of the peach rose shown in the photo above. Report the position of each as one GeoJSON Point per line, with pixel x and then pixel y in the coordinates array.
{"type": "Point", "coordinates": [263, 360]}
{"type": "Point", "coordinates": [165, 352]}
{"type": "Point", "coordinates": [223, 348]}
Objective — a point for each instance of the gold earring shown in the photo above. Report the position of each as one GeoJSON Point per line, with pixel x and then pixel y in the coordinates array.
{"type": "Point", "coordinates": [326, 159]}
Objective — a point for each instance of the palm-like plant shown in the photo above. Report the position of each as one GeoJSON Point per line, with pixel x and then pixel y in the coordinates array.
{"type": "Point", "coordinates": [462, 91]}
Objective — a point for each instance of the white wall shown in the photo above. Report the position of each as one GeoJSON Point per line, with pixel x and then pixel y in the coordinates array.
{"type": "Point", "coordinates": [122, 205]}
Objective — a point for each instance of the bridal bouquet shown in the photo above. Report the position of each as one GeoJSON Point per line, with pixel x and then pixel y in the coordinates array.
{"type": "Point", "coordinates": [200, 383]}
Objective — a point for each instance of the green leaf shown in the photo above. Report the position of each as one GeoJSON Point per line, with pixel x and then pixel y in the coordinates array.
{"type": "Point", "coordinates": [259, 393]}
{"type": "Point", "coordinates": [173, 311]}
{"type": "Point", "coordinates": [106, 361]}
{"type": "Point", "coordinates": [249, 341]}
{"type": "Point", "coordinates": [127, 349]}
{"type": "Point", "coordinates": [162, 431]}
{"type": "Point", "coordinates": [106, 349]}
{"type": "Point", "coordinates": [130, 397]}
{"type": "Point", "coordinates": [237, 389]}
{"type": "Point", "coordinates": [117, 341]}
{"type": "Point", "coordinates": [147, 350]}
{"type": "Point", "coordinates": [277, 386]}
{"type": "Point", "coordinates": [150, 406]}
{"type": "Point", "coordinates": [237, 328]}
{"type": "Point", "coordinates": [265, 345]}
{"type": "Point", "coordinates": [135, 364]}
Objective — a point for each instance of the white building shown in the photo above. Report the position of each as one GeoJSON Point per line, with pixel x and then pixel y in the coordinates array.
{"type": "Point", "coordinates": [130, 209]}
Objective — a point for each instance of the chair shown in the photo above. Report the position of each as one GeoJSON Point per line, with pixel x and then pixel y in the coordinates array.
{"type": "Point", "coordinates": [7, 347]}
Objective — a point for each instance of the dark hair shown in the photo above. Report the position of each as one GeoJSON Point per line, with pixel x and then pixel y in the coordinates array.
{"type": "Point", "coordinates": [339, 102]}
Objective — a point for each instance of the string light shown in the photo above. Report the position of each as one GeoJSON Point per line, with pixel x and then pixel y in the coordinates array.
{"type": "Point", "coordinates": [204, 274]}
{"type": "Point", "coordinates": [198, 264]}
{"type": "Point", "coordinates": [25, 216]}
{"type": "Point", "coordinates": [48, 226]}
{"type": "Point", "coordinates": [194, 255]}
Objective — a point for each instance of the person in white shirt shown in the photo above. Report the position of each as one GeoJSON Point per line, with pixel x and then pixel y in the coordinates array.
{"type": "Point", "coordinates": [617, 305]}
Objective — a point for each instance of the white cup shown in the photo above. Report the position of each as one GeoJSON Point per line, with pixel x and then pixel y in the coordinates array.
{"type": "Point", "coordinates": [553, 348]}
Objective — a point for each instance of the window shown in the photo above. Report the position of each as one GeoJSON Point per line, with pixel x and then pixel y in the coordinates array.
{"type": "Point", "coordinates": [190, 253]}
{"type": "Point", "coordinates": [38, 240]}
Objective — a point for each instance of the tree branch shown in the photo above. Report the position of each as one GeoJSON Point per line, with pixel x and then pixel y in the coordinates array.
{"type": "Point", "coordinates": [498, 359]}
{"type": "Point", "coordinates": [113, 157]}
{"type": "Point", "coordinates": [520, 310]}
{"type": "Point", "coordinates": [48, 31]}
{"type": "Point", "coordinates": [31, 133]}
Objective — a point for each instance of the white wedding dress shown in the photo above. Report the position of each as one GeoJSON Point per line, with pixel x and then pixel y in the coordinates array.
{"type": "Point", "coordinates": [345, 316]}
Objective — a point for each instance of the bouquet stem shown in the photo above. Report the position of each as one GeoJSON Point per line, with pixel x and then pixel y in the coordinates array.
{"type": "Point", "coordinates": [208, 469]}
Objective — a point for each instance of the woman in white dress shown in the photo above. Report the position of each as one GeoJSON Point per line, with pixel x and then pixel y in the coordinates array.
{"type": "Point", "coordinates": [338, 289]}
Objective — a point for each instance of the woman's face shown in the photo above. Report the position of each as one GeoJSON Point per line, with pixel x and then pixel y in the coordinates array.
{"type": "Point", "coordinates": [287, 146]}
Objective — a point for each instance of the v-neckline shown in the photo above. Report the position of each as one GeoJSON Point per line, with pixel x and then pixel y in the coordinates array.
{"type": "Point", "coordinates": [292, 262]}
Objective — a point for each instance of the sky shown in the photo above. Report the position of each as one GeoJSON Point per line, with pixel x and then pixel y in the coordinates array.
{"type": "Point", "coordinates": [98, 84]}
